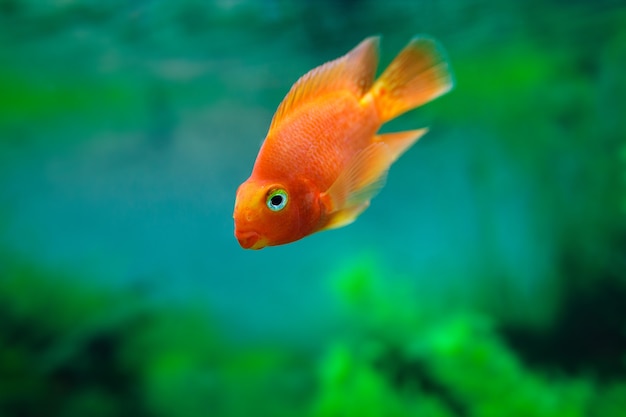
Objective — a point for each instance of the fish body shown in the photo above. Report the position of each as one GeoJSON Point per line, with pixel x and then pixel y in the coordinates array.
{"type": "Point", "coordinates": [322, 160]}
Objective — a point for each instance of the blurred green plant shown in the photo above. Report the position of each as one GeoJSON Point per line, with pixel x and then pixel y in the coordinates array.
{"type": "Point", "coordinates": [55, 101]}
{"type": "Point", "coordinates": [623, 161]}
{"type": "Point", "coordinates": [59, 346]}
{"type": "Point", "coordinates": [416, 364]}
{"type": "Point", "coordinates": [68, 350]}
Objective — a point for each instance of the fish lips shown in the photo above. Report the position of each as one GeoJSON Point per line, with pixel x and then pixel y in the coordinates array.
{"type": "Point", "coordinates": [250, 239]}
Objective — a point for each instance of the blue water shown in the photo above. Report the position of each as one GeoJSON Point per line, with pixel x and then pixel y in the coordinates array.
{"type": "Point", "coordinates": [130, 181]}
{"type": "Point", "coordinates": [158, 220]}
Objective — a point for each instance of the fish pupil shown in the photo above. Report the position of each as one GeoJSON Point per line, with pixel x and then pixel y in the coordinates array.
{"type": "Point", "coordinates": [276, 200]}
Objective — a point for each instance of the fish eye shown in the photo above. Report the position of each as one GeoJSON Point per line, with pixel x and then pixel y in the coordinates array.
{"type": "Point", "coordinates": [277, 200]}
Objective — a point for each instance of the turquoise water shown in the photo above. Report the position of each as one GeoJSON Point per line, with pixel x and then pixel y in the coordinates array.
{"type": "Point", "coordinates": [126, 128]}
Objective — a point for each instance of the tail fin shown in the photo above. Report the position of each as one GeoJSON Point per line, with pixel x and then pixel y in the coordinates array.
{"type": "Point", "coordinates": [416, 76]}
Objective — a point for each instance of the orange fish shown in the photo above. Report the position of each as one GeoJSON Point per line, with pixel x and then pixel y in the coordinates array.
{"type": "Point", "coordinates": [322, 160]}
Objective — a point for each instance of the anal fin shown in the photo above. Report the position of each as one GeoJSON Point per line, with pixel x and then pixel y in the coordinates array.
{"type": "Point", "coordinates": [400, 142]}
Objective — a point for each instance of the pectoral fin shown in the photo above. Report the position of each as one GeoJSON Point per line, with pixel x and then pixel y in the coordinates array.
{"type": "Point", "coordinates": [351, 193]}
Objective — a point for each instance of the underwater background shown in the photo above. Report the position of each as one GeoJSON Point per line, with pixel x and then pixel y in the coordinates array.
{"type": "Point", "coordinates": [488, 278]}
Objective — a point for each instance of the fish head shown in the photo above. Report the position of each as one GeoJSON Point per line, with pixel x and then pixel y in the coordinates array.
{"type": "Point", "coordinates": [270, 213]}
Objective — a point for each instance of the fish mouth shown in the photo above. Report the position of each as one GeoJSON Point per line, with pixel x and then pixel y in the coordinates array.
{"type": "Point", "coordinates": [250, 240]}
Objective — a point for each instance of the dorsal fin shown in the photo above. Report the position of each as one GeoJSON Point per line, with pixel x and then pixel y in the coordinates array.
{"type": "Point", "coordinates": [353, 72]}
